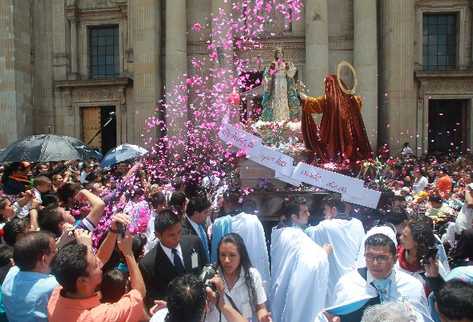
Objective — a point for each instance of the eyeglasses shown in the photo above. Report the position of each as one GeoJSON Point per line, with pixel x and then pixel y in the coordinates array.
{"type": "Point", "coordinates": [380, 258]}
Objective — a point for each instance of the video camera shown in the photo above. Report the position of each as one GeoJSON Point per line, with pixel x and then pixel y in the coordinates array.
{"type": "Point", "coordinates": [208, 272]}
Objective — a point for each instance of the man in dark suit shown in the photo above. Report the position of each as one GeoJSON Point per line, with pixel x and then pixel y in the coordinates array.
{"type": "Point", "coordinates": [173, 256]}
{"type": "Point", "coordinates": [198, 210]}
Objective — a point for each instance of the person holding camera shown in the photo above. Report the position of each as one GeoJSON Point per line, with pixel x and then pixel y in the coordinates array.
{"type": "Point", "coordinates": [243, 285]}
{"type": "Point", "coordinates": [418, 246]}
{"type": "Point", "coordinates": [189, 300]}
{"type": "Point", "coordinates": [79, 272]}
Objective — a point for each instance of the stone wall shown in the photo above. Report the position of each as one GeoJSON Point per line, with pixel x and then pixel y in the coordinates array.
{"type": "Point", "coordinates": [15, 70]}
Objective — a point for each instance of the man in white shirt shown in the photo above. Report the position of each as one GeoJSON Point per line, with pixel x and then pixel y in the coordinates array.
{"type": "Point", "coordinates": [420, 181]}
{"type": "Point", "coordinates": [173, 256]}
{"type": "Point", "coordinates": [379, 282]}
{"type": "Point", "coordinates": [465, 217]}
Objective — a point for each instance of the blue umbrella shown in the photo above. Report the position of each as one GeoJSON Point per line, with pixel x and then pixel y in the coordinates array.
{"type": "Point", "coordinates": [122, 153]}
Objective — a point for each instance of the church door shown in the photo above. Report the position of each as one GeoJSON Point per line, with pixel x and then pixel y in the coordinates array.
{"type": "Point", "coordinates": [447, 126]}
{"type": "Point", "coordinates": [99, 127]}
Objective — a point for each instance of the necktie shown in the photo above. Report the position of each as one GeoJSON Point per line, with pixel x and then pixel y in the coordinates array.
{"type": "Point", "coordinates": [177, 262]}
{"type": "Point", "coordinates": [382, 286]}
{"type": "Point", "coordinates": [203, 238]}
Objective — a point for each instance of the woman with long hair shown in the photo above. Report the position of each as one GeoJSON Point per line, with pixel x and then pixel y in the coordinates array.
{"type": "Point", "coordinates": [243, 283]}
{"type": "Point", "coordinates": [418, 246]}
{"type": "Point", "coordinates": [7, 211]}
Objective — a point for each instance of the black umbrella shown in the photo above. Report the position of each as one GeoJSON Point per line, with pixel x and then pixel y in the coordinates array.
{"type": "Point", "coordinates": [48, 147]}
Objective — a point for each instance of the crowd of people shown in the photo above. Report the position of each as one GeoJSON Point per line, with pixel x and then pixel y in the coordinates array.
{"type": "Point", "coordinates": [82, 243]}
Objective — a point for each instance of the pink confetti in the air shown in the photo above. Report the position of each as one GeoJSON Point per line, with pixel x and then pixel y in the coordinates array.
{"type": "Point", "coordinates": [197, 27]}
{"type": "Point", "coordinates": [206, 97]}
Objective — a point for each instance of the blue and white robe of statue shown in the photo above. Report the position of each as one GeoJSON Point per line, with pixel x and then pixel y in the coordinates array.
{"type": "Point", "coordinates": [346, 238]}
{"type": "Point", "coordinates": [251, 230]}
{"type": "Point", "coordinates": [300, 273]}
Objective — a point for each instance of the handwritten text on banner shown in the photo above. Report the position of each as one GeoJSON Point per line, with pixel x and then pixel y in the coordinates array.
{"type": "Point", "coordinates": [238, 138]}
{"type": "Point", "coordinates": [272, 159]}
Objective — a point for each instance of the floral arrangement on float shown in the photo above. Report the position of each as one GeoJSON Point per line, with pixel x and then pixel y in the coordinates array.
{"type": "Point", "coordinates": [285, 136]}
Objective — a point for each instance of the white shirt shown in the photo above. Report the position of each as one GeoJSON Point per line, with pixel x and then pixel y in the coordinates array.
{"type": "Point", "coordinates": [407, 151]}
{"type": "Point", "coordinates": [464, 219]}
{"type": "Point", "coordinates": [420, 184]}
{"type": "Point", "coordinates": [170, 255]}
{"type": "Point", "coordinates": [194, 225]}
{"type": "Point", "coordinates": [160, 316]}
{"type": "Point", "coordinates": [239, 294]}
{"type": "Point", "coordinates": [151, 239]}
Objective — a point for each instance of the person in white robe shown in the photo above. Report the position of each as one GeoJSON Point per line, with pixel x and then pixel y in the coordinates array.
{"type": "Point", "coordinates": [249, 227]}
{"type": "Point", "coordinates": [344, 234]}
{"type": "Point", "coordinates": [379, 282]}
{"type": "Point", "coordinates": [300, 273]}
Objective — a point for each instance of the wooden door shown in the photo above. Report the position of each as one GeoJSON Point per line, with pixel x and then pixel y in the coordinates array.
{"type": "Point", "coordinates": [91, 121]}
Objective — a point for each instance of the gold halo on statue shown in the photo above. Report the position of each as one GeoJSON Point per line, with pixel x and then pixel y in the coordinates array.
{"type": "Point", "coordinates": [342, 64]}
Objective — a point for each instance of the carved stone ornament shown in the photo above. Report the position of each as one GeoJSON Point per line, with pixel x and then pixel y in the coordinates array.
{"type": "Point", "coordinates": [98, 94]}
{"type": "Point", "coordinates": [447, 86]}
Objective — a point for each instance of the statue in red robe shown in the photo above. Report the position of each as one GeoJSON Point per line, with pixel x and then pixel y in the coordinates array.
{"type": "Point", "coordinates": [342, 133]}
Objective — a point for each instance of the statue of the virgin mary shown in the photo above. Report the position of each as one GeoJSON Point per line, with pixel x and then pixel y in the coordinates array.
{"type": "Point", "coordinates": [280, 99]}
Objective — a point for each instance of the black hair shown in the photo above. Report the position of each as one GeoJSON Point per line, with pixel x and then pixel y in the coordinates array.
{"type": "Point", "coordinates": [49, 219]}
{"type": "Point", "coordinates": [197, 204]}
{"type": "Point", "coordinates": [157, 199]}
{"type": "Point", "coordinates": [186, 299]}
{"type": "Point", "coordinates": [68, 191]}
{"type": "Point", "coordinates": [381, 240]}
{"type": "Point", "coordinates": [232, 196]}
{"type": "Point", "coordinates": [178, 199]}
{"type": "Point", "coordinates": [165, 219]}
{"type": "Point", "coordinates": [69, 264]}
{"type": "Point", "coordinates": [113, 286]}
{"type": "Point", "coordinates": [334, 200]}
{"type": "Point", "coordinates": [455, 300]}
{"type": "Point", "coordinates": [422, 233]}
{"type": "Point", "coordinates": [245, 264]}
{"type": "Point", "coordinates": [6, 254]}
{"type": "Point", "coordinates": [29, 249]}
{"type": "Point", "coordinates": [435, 198]}
{"type": "Point", "coordinates": [13, 228]}
{"type": "Point", "coordinates": [138, 245]}
{"type": "Point", "coordinates": [291, 206]}
{"type": "Point", "coordinates": [50, 200]}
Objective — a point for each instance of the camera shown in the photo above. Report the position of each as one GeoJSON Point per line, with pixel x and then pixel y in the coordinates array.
{"type": "Point", "coordinates": [430, 253]}
{"type": "Point", "coordinates": [208, 272]}
{"type": "Point", "coordinates": [121, 229]}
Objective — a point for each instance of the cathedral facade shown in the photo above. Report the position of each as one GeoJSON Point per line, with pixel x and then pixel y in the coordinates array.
{"type": "Point", "coordinates": [96, 69]}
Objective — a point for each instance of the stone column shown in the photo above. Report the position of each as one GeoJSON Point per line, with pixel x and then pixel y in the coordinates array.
{"type": "Point", "coordinates": [365, 59]}
{"type": "Point", "coordinates": [176, 59]}
{"type": "Point", "coordinates": [316, 44]}
{"type": "Point", "coordinates": [74, 47]}
{"type": "Point", "coordinates": [398, 109]}
{"type": "Point", "coordinates": [221, 32]}
{"type": "Point", "coordinates": [222, 38]}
